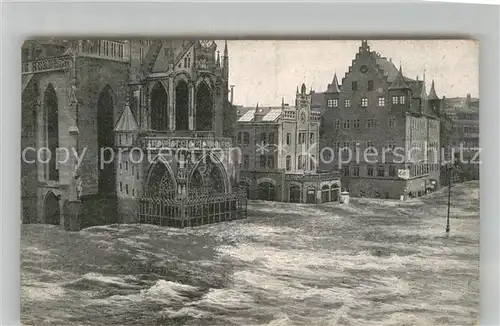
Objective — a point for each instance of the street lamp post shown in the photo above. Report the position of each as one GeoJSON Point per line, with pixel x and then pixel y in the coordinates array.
{"type": "Point", "coordinates": [449, 200]}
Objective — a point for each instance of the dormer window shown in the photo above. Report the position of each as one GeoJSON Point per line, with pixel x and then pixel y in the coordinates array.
{"type": "Point", "coordinates": [402, 99]}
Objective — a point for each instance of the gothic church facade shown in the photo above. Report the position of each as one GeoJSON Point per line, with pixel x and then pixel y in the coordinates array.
{"type": "Point", "coordinates": [147, 120]}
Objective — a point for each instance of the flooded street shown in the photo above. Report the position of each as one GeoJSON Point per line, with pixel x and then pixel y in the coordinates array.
{"type": "Point", "coordinates": [371, 262]}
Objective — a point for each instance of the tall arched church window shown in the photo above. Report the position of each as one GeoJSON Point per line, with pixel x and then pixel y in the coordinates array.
{"type": "Point", "coordinates": [204, 107]}
{"type": "Point", "coordinates": [159, 108]}
{"type": "Point", "coordinates": [182, 106]}
{"type": "Point", "coordinates": [51, 123]}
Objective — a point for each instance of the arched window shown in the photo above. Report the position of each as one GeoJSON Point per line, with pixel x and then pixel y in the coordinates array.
{"type": "Point", "coordinates": [288, 162]}
{"type": "Point", "coordinates": [160, 182]}
{"type": "Point", "coordinates": [334, 193]}
{"type": "Point", "coordinates": [105, 139]}
{"type": "Point", "coordinates": [208, 177]}
{"type": "Point", "coordinates": [182, 106]}
{"type": "Point", "coordinates": [51, 131]}
{"type": "Point", "coordinates": [301, 162]}
{"type": "Point", "coordinates": [204, 107]}
{"type": "Point", "coordinates": [159, 111]}
{"type": "Point", "coordinates": [312, 166]}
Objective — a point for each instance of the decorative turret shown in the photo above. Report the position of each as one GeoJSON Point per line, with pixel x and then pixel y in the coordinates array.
{"type": "Point", "coordinates": [334, 86]}
{"type": "Point", "coordinates": [126, 129]}
{"type": "Point", "coordinates": [399, 81]}
{"type": "Point", "coordinates": [423, 95]}
{"type": "Point", "coordinates": [225, 69]}
{"type": "Point", "coordinates": [433, 100]}
{"type": "Point", "coordinates": [217, 64]}
{"type": "Point", "coordinates": [432, 92]}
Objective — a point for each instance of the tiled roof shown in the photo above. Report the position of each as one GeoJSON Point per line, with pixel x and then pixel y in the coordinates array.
{"type": "Point", "coordinates": [318, 101]}
{"type": "Point", "coordinates": [256, 114]}
{"type": "Point", "coordinates": [247, 116]}
{"type": "Point", "coordinates": [127, 121]}
{"type": "Point", "coordinates": [388, 67]}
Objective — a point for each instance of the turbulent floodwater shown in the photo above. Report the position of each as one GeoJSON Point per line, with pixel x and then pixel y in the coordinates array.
{"type": "Point", "coordinates": [370, 262]}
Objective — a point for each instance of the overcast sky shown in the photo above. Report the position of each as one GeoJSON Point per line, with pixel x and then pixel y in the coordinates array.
{"type": "Point", "coordinates": [265, 71]}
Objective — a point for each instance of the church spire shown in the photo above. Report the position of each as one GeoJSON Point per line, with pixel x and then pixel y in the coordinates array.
{"type": "Point", "coordinates": [303, 89]}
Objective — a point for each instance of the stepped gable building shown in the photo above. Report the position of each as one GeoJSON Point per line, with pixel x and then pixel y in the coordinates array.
{"type": "Point", "coordinates": [147, 116]}
{"type": "Point", "coordinates": [378, 110]}
{"type": "Point", "coordinates": [279, 148]}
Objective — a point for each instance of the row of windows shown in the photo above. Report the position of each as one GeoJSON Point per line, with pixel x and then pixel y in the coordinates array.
{"type": "Point", "coordinates": [135, 168]}
{"type": "Point", "coordinates": [381, 171]}
{"type": "Point", "coordinates": [468, 129]}
{"type": "Point", "coordinates": [301, 162]}
{"type": "Point", "coordinates": [354, 86]}
{"type": "Point", "coordinates": [126, 188]}
{"type": "Point", "coordinates": [243, 138]}
{"type": "Point", "coordinates": [417, 124]}
{"type": "Point", "coordinates": [355, 145]}
{"type": "Point", "coordinates": [267, 160]}
{"type": "Point", "coordinates": [270, 138]}
{"type": "Point", "coordinates": [334, 103]}
{"type": "Point", "coordinates": [355, 124]}
{"type": "Point", "coordinates": [302, 138]}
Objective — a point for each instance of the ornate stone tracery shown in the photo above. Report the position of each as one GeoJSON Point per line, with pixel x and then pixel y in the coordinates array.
{"type": "Point", "coordinates": [207, 177]}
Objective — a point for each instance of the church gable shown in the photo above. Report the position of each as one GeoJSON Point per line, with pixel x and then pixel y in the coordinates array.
{"type": "Point", "coordinates": [177, 53]}
{"type": "Point", "coordinates": [163, 59]}
{"type": "Point", "coordinates": [185, 61]}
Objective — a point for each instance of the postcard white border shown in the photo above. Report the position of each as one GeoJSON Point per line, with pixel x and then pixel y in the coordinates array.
{"type": "Point", "coordinates": [258, 20]}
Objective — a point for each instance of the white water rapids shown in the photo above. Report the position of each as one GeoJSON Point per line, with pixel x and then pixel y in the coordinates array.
{"type": "Point", "coordinates": [371, 262]}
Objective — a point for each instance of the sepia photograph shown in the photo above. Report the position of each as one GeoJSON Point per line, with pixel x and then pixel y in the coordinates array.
{"type": "Point", "coordinates": [250, 182]}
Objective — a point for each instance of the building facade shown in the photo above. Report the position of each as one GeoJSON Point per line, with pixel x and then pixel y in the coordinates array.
{"type": "Point", "coordinates": [145, 120]}
{"type": "Point", "coordinates": [376, 123]}
{"type": "Point", "coordinates": [280, 153]}
{"type": "Point", "coordinates": [462, 140]}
